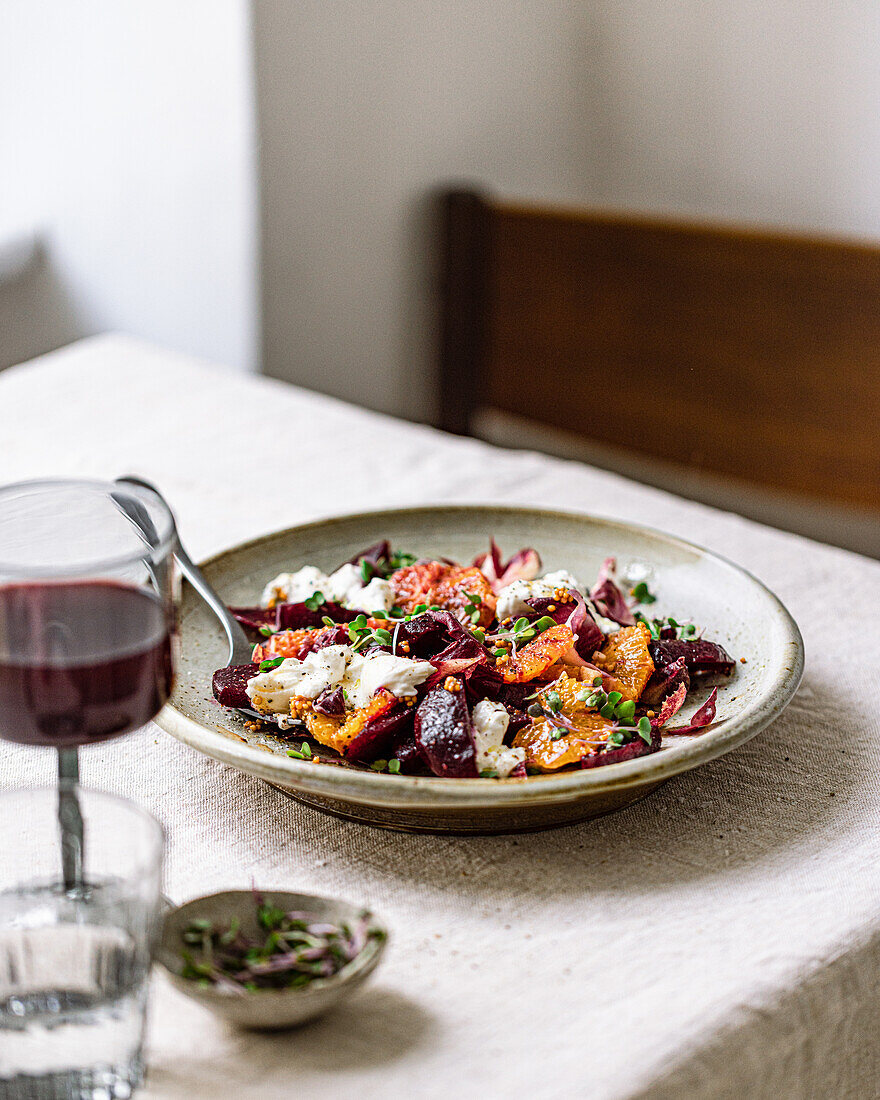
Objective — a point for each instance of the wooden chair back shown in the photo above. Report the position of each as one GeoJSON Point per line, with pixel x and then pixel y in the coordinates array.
{"type": "Point", "coordinates": [740, 352]}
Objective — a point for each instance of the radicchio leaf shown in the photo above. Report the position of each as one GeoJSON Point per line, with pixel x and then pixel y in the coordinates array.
{"type": "Point", "coordinates": [445, 735]}
{"type": "Point", "coordinates": [379, 551]}
{"type": "Point", "coordinates": [671, 705]}
{"type": "Point", "coordinates": [608, 598]}
{"type": "Point", "coordinates": [523, 566]}
{"type": "Point", "coordinates": [229, 685]}
{"type": "Point", "coordinates": [703, 717]}
{"type": "Point", "coordinates": [576, 615]}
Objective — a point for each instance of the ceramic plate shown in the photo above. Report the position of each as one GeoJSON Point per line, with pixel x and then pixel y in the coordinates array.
{"type": "Point", "coordinates": [690, 583]}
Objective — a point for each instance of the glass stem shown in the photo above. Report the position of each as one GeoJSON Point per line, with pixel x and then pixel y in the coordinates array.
{"type": "Point", "coordinates": [70, 819]}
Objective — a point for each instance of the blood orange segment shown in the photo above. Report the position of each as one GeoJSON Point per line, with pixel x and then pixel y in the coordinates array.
{"type": "Point", "coordinates": [539, 655]}
{"type": "Point", "coordinates": [627, 659]}
{"type": "Point", "coordinates": [286, 643]}
{"type": "Point", "coordinates": [451, 587]}
{"type": "Point", "coordinates": [550, 746]}
{"type": "Point", "coordinates": [338, 733]}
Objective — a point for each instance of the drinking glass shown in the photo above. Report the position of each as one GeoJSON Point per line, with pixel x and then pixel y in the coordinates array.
{"type": "Point", "coordinates": [86, 630]}
{"type": "Point", "coordinates": [86, 610]}
{"type": "Point", "coordinates": [74, 966]}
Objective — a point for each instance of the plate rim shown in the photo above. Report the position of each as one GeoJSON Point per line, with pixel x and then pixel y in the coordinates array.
{"type": "Point", "coordinates": [433, 792]}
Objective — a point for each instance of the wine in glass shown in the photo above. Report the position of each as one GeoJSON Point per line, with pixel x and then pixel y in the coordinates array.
{"type": "Point", "coordinates": [86, 629]}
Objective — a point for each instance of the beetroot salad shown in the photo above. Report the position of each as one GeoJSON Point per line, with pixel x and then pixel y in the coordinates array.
{"type": "Point", "coordinates": [493, 669]}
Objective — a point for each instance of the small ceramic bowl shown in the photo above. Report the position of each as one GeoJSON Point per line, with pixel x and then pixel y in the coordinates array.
{"type": "Point", "coordinates": [268, 1009]}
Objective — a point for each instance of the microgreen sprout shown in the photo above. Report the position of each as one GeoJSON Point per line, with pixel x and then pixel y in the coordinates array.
{"type": "Point", "coordinates": [287, 951]}
{"type": "Point", "coordinates": [270, 663]}
{"type": "Point", "coordinates": [643, 594]}
{"type": "Point", "coordinates": [267, 631]}
{"type": "Point", "coordinates": [315, 601]}
{"type": "Point", "coordinates": [473, 607]}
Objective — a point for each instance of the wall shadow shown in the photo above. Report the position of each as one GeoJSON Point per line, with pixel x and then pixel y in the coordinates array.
{"type": "Point", "coordinates": [37, 312]}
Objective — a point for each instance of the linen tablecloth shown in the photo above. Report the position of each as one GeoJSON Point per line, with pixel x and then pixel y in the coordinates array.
{"type": "Point", "coordinates": [719, 939]}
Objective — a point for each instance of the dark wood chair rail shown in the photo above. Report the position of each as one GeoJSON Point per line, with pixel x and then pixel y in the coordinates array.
{"type": "Point", "coordinates": [741, 352]}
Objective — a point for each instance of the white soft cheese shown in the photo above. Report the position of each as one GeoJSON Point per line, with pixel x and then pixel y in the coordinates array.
{"type": "Point", "coordinates": [512, 598]}
{"type": "Point", "coordinates": [367, 674]}
{"type": "Point", "coordinates": [336, 666]}
{"type": "Point", "coordinates": [306, 679]}
{"type": "Point", "coordinates": [341, 585]}
{"type": "Point", "coordinates": [294, 587]}
{"type": "Point", "coordinates": [345, 587]}
{"type": "Point", "coordinates": [378, 595]}
{"type": "Point", "coordinates": [490, 722]}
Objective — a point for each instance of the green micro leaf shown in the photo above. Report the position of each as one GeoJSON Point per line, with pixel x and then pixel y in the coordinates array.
{"type": "Point", "coordinates": [626, 711]}
{"type": "Point", "coordinates": [314, 601]}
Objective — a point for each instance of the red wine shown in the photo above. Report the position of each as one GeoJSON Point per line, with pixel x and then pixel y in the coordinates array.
{"type": "Point", "coordinates": [80, 662]}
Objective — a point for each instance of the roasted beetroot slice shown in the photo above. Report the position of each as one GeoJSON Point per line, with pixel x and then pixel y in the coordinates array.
{"type": "Point", "coordinates": [412, 762]}
{"type": "Point", "coordinates": [435, 632]}
{"type": "Point", "coordinates": [295, 616]}
{"type": "Point", "coordinates": [337, 635]}
{"type": "Point", "coordinates": [617, 756]}
{"type": "Point", "coordinates": [331, 702]}
{"type": "Point", "coordinates": [252, 618]}
{"type": "Point", "coordinates": [445, 735]}
{"type": "Point", "coordinates": [485, 682]}
{"type": "Point", "coordinates": [377, 736]}
{"type": "Point", "coordinates": [229, 685]}
{"type": "Point", "coordinates": [701, 657]}
{"type": "Point", "coordinates": [625, 752]}
{"type": "Point", "coordinates": [665, 680]}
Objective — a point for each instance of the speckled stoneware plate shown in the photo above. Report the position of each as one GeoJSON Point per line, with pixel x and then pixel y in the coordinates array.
{"type": "Point", "coordinates": [690, 583]}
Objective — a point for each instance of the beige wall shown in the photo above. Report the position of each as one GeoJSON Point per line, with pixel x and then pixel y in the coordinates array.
{"type": "Point", "coordinates": [363, 108]}
{"type": "Point", "coordinates": [749, 110]}
{"type": "Point", "coordinates": [753, 111]}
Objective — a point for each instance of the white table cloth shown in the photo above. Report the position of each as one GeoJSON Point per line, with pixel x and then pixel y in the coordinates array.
{"type": "Point", "coordinates": [718, 940]}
